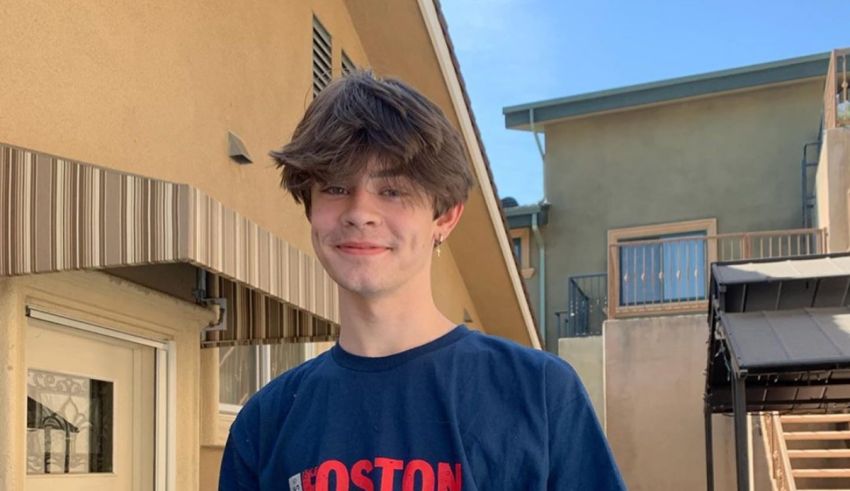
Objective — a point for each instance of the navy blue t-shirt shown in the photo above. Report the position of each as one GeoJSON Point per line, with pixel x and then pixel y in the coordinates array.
{"type": "Point", "coordinates": [465, 411]}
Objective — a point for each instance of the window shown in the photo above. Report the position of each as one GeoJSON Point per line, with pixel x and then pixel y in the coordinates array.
{"type": "Point", "coordinates": [662, 264]}
{"type": "Point", "coordinates": [322, 57]}
{"type": "Point", "coordinates": [244, 369]}
{"type": "Point", "coordinates": [670, 270]}
{"type": "Point", "coordinates": [520, 247]}
{"type": "Point", "coordinates": [348, 66]}
{"type": "Point", "coordinates": [69, 424]}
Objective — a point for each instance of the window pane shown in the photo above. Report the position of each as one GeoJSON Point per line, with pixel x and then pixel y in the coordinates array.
{"type": "Point", "coordinates": [517, 243]}
{"type": "Point", "coordinates": [639, 274]}
{"type": "Point", "coordinates": [69, 424]}
{"type": "Point", "coordinates": [684, 270]}
{"type": "Point", "coordinates": [238, 373]}
{"type": "Point", "coordinates": [285, 356]}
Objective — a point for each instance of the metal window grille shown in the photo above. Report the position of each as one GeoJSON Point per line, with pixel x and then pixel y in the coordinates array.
{"type": "Point", "coordinates": [322, 57]}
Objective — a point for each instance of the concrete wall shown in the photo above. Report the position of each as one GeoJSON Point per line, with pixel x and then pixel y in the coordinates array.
{"type": "Point", "coordinates": [654, 385]}
{"type": "Point", "coordinates": [587, 357]}
{"type": "Point", "coordinates": [705, 158]}
{"type": "Point", "coordinates": [833, 188]}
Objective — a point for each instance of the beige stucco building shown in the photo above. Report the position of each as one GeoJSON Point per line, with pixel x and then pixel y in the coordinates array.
{"type": "Point", "coordinates": [645, 187]}
{"type": "Point", "coordinates": [152, 272]}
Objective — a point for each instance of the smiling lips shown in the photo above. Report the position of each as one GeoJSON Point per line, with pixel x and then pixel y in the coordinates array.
{"type": "Point", "coordinates": [361, 248]}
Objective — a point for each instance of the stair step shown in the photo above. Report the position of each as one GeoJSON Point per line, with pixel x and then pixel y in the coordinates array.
{"type": "Point", "coordinates": [821, 473]}
{"type": "Point", "coordinates": [815, 418]}
{"type": "Point", "coordinates": [820, 453]}
{"type": "Point", "coordinates": [817, 435]}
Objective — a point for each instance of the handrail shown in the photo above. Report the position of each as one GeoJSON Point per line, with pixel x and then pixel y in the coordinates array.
{"type": "Point", "coordinates": [778, 462]}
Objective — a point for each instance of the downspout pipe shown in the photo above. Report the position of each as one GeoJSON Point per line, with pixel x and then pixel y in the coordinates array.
{"type": "Point", "coordinates": [539, 144]}
{"type": "Point", "coordinates": [541, 276]}
{"type": "Point", "coordinates": [538, 237]}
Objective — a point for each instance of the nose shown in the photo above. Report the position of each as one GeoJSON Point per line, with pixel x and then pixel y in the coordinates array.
{"type": "Point", "coordinates": [362, 209]}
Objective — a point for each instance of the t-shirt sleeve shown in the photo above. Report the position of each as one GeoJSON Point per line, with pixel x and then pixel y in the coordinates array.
{"type": "Point", "coordinates": [239, 462]}
{"type": "Point", "coordinates": [579, 455]}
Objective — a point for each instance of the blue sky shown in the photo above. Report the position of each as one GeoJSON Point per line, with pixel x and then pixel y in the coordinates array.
{"type": "Point", "coordinates": [517, 51]}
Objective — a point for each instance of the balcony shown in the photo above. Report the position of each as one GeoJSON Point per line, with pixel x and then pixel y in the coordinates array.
{"type": "Point", "coordinates": [670, 275]}
{"type": "Point", "coordinates": [587, 306]}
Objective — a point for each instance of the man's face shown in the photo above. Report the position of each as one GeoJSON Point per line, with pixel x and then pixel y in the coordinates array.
{"type": "Point", "coordinates": [374, 234]}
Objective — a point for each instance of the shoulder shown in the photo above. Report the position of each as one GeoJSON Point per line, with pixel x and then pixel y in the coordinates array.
{"type": "Point", "coordinates": [496, 347]}
{"type": "Point", "coordinates": [504, 353]}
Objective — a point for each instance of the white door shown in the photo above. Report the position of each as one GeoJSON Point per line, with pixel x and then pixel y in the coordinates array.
{"type": "Point", "coordinates": [90, 411]}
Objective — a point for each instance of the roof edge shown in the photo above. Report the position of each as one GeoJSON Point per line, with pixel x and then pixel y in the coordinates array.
{"type": "Point", "coordinates": [632, 96]}
{"type": "Point", "coordinates": [444, 50]}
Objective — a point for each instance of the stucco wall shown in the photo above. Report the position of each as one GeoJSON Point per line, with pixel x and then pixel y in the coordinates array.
{"type": "Point", "coordinates": [586, 356]}
{"type": "Point", "coordinates": [654, 385]}
{"type": "Point", "coordinates": [734, 157]}
{"type": "Point", "coordinates": [153, 89]}
{"type": "Point", "coordinates": [833, 188]}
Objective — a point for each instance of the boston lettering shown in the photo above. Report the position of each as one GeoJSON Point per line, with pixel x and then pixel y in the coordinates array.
{"type": "Point", "coordinates": [380, 474]}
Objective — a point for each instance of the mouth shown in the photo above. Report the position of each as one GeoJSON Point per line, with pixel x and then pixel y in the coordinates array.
{"type": "Point", "coordinates": [361, 248]}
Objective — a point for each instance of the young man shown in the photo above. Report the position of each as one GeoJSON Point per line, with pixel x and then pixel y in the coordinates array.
{"type": "Point", "coordinates": [406, 400]}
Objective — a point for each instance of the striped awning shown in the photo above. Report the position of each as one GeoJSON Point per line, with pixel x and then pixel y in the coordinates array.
{"type": "Point", "coordinates": [57, 214]}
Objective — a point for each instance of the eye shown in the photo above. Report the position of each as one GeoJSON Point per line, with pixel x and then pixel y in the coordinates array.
{"type": "Point", "coordinates": [334, 190]}
{"type": "Point", "coordinates": [392, 192]}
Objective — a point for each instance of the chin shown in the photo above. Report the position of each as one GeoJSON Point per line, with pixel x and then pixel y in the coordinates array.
{"type": "Point", "coordinates": [363, 289]}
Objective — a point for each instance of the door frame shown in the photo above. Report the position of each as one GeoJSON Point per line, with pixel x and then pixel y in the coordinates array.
{"type": "Point", "coordinates": [165, 391]}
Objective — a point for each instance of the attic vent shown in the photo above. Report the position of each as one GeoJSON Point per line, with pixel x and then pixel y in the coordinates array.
{"type": "Point", "coordinates": [348, 66]}
{"type": "Point", "coordinates": [236, 149]}
{"type": "Point", "coordinates": [322, 57]}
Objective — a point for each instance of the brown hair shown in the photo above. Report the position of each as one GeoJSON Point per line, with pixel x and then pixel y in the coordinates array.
{"type": "Point", "coordinates": [361, 117]}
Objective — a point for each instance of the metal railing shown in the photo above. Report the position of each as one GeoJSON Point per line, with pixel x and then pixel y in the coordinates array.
{"type": "Point", "coordinates": [587, 306]}
{"type": "Point", "coordinates": [671, 274]}
{"type": "Point", "coordinates": [836, 106]}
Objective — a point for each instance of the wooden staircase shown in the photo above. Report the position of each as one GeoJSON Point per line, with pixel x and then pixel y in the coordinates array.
{"type": "Point", "coordinates": [807, 452]}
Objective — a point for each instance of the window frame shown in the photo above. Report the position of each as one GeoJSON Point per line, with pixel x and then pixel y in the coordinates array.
{"type": "Point", "coordinates": [708, 226]}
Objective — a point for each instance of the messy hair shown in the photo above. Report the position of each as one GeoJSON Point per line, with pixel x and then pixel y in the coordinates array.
{"type": "Point", "coordinates": [362, 118]}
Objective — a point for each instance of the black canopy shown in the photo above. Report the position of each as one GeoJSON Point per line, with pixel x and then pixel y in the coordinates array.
{"type": "Point", "coordinates": [779, 340]}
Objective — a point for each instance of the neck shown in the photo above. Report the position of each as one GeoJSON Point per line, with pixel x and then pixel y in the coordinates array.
{"type": "Point", "coordinates": [383, 325]}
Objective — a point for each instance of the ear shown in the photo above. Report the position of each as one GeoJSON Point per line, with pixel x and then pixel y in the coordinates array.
{"type": "Point", "coordinates": [447, 221]}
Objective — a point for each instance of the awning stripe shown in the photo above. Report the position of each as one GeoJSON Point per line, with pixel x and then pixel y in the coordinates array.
{"type": "Point", "coordinates": [253, 318]}
{"type": "Point", "coordinates": [59, 214]}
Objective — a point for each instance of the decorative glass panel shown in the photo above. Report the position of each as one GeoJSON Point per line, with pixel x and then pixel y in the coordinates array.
{"type": "Point", "coordinates": [69, 424]}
